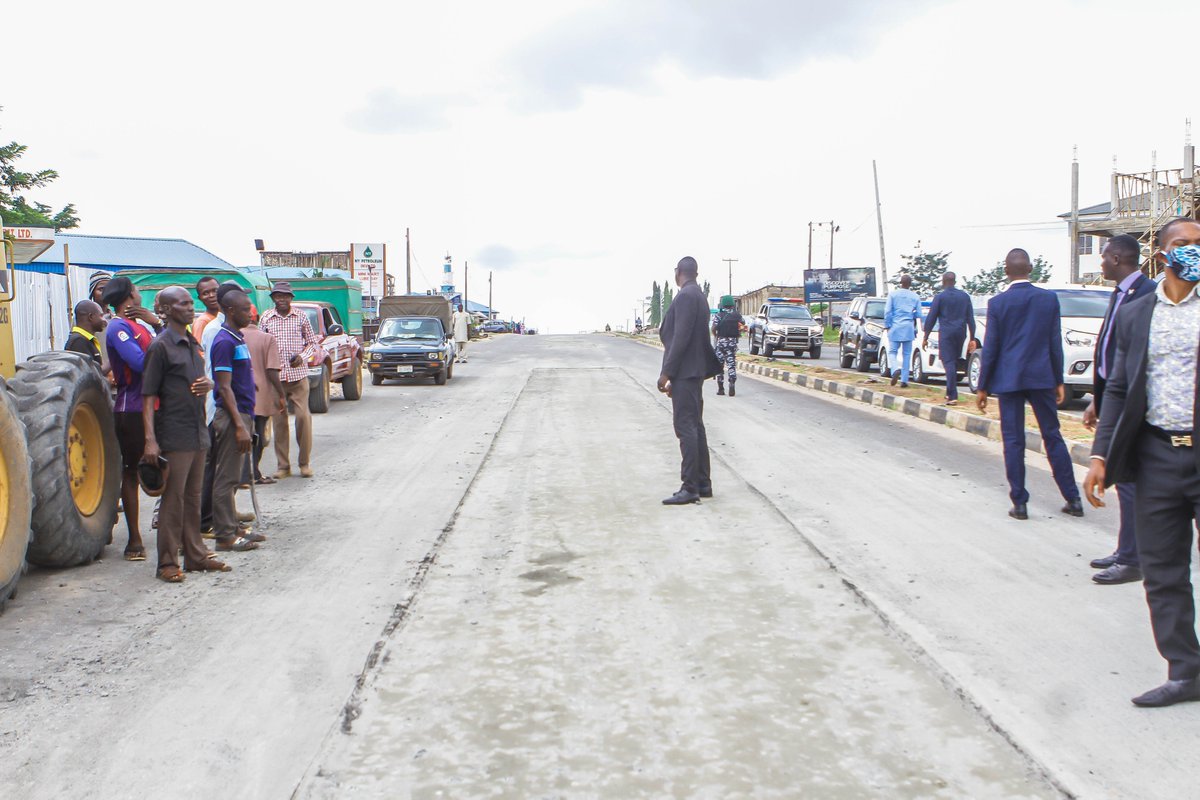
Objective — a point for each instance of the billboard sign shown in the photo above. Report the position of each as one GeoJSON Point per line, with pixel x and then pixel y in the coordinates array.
{"type": "Point", "coordinates": [368, 266]}
{"type": "Point", "coordinates": [844, 283]}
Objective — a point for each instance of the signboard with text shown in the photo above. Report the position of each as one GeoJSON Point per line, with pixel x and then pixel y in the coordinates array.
{"type": "Point", "coordinates": [843, 283]}
{"type": "Point", "coordinates": [368, 265]}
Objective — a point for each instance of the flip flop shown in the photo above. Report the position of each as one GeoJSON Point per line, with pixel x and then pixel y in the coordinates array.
{"type": "Point", "coordinates": [210, 565]}
{"type": "Point", "coordinates": [265, 481]}
{"type": "Point", "coordinates": [239, 544]}
{"type": "Point", "coordinates": [135, 555]}
{"type": "Point", "coordinates": [170, 575]}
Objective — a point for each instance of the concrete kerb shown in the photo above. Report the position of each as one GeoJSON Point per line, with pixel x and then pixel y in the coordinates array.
{"type": "Point", "coordinates": [970, 423]}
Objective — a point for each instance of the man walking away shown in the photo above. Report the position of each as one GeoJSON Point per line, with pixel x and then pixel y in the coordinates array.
{"type": "Point", "coordinates": [1119, 264]}
{"type": "Point", "coordinates": [688, 360]}
{"type": "Point", "coordinates": [1146, 437]}
{"type": "Point", "coordinates": [127, 343]}
{"type": "Point", "coordinates": [461, 323]}
{"type": "Point", "coordinates": [206, 288]}
{"type": "Point", "coordinates": [174, 381]}
{"type": "Point", "coordinates": [296, 341]}
{"type": "Point", "coordinates": [1023, 363]}
{"type": "Point", "coordinates": [89, 321]}
{"type": "Point", "coordinates": [727, 328]}
{"type": "Point", "coordinates": [900, 317]}
{"type": "Point", "coordinates": [268, 393]}
{"type": "Point", "coordinates": [233, 421]}
{"type": "Point", "coordinates": [954, 314]}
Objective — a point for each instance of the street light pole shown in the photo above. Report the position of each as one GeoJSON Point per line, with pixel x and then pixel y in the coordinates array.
{"type": "Point", "coordinates": [730, 262]}
{"type": "Point", "coordinates": [810, 244]}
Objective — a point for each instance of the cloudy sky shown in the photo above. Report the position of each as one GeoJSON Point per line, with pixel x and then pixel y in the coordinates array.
{"type": "Point", "coordinates": [578, 149]}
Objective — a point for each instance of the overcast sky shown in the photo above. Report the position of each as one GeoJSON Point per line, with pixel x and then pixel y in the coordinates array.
{"type": "Point", "coordinates": [579, 149]}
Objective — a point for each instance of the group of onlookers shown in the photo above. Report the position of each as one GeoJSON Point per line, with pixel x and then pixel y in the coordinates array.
{"type": "Point", "coordinates": [192, 398]}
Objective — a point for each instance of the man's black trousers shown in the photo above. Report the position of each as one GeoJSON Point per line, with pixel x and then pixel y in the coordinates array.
{"type": "Point", "coordinates": [687, 405]}
{"type": "Point", "coordinates": [1168, 502]}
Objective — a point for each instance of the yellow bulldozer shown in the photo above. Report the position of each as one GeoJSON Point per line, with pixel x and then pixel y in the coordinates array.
{"type": "Point", "coordinates": [60, 469]}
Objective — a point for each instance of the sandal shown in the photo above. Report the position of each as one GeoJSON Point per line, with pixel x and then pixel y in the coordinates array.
{"type": "Point", "coordinates": [246, 533]}
{"type": "Point", "coordinates": [169, 575]}
{"type": "Point", "coordinates": [136, 555]}
{"type": "Point", "coordinates": [238, 544]}
{"type": "Point", "coordinates": [210, 565]}
{"type": "Point", "coordinates": [265, 480]}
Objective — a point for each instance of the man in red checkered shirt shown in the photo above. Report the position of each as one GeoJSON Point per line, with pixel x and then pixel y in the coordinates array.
{"type": "Point", "coordinates": [297, 342]}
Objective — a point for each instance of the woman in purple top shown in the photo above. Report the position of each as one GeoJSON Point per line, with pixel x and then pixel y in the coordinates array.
{"type": "Point", "coordinates": [127, 340]}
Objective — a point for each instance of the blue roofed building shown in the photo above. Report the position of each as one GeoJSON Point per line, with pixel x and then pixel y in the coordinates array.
{"type": "Point", "coordinates": [115, 253]}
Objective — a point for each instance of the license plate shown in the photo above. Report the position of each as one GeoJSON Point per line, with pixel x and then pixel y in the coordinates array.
{"type": "Point", "coordinates": [406, 368]}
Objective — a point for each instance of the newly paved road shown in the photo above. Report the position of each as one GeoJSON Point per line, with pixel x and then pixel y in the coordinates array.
{"type": "Point", "coordinates": [852, 615]}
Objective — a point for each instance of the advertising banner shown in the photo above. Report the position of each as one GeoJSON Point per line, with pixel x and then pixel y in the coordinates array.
{"type": "Point", "coordinates": [831, 285]}
{"type": "Point", "coordinates": [368, 265]}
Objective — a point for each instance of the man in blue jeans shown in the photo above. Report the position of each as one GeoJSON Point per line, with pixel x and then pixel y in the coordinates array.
{"type": "Point", "coordinates": [1023, 363]}
{"type": "Point", "coordinates": [900, 318]}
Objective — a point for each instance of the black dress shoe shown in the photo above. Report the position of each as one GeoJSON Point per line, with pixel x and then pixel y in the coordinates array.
{"type": "Point", "coordinates": [1073, 507]}
{"type": "Point", "coordinates": [1019, 511]}
{"type": "Point", "coordinates": [1119, 573]}
{"type": "Point", "coordinates": [732, 390]}
{"type": "Point", "coordinates": [682, 498]}
{"type": "Point", "coordinates": [1105, 562]}
{"type": "Point", "coordinates": [895, 376]}
{"type": "Point", "coordinates": [1169, 694]}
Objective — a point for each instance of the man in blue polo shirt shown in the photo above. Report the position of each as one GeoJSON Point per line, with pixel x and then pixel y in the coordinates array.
{"type": "Point", "coordinates": [234, 396]}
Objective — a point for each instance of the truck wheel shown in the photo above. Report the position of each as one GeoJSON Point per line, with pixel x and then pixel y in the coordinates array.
{"type": "Point", "coordinates": [440, 377]}
{"type": "Point", "coordinates": [884, 368]}
{"type": "Point", "coordinates": [768, 349]}
{"type": "Point", "coordinates": [814, 352]}
{"type": "Point", "coordinates": [862, 362]}
{"type": "Point", "coordinates": [844, 359]}
{"type": "Point", "coordinates": [352, 383]}
{"type": "Point", "coordinates": [974, 365]}
{"type": "Point", "coordinates": [318, 399]}
{"type": "Point", "coordinates": [16, 496]}
{"type": "Point", "coordinates": [918, 369]}
{"type": "Point", "coordinates": [450, 371]}
{"type": "Point", "coordinates": [376, 379]}
{"type": "Point", "coordinates": [68, 418]}
{"type": "Point", "coordinates": [753, 345]}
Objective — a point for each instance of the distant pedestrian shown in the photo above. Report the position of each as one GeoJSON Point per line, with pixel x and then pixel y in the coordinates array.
{"type": "Point", "coordinates": [688, 361]}
{"type": "Point", "coordinates": [97, 283]}
{"type": "Point", "coordinates": [297, 342]}
{"type": "Point", "coordinates": [234, 420]}
{"type": "Point", "coordinates": [954, 315]}
{"type": "Point", "coordinates": [901, 315]}
{"type": "Point", "coordinates": [727, 328]}
{"type": "Point", "coordinates": [1146, 436]}
{"type": "Point", "coordinates": [84, 339]}
{"type": "Point", "coordinates": [127, 342]}
{"type": "Point", "coordinates": [461, 323]}
{"type": "Point", "coordinates": [206, 289]}
{"type": "Point", "coordinates": [1119, 264]}
{"type": "Point", "coordinates": [174, 381]}
{"type": "Point", "coordinates": [1023, 363]}
{"type": "Point", "coordinates": [268, 394]}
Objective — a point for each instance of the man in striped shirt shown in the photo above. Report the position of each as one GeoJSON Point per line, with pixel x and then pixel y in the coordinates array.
{"type": "Point", "coordinates": [297, 342]}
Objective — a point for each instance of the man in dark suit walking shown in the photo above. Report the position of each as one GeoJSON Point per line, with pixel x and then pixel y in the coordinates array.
{"type": "Point", "coordinates": [1145, 437]}
{"type": "Point", "coordinates": [1023, 363]}
{"type": "Point", "coordinates": [1119, 264]}
{"type": "Point", "coordinates": [954, 313]}
{"type": "Point", "coordinates": [688, 360]}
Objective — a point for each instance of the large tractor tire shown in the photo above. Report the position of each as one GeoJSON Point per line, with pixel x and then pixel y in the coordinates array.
{"type": "Point", "coordinates": [68, 418]}
{"type": "Point", "coordinates": [16, 496]}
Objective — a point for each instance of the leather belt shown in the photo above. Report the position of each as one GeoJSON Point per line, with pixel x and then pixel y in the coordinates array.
{"type": "Point", "coordinates": [1174, 438]}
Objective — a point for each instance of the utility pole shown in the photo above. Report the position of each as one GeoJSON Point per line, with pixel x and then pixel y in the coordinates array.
{"type": "Point", "coordinates": [1074, 227]}
{"type": "Point", "coordinates": [879, 220]}
{"type": "Point", "coordinates": [407, 263]}
{"type": "Point", "coordinates": [466, 284]}
{"type": "Point", "coordinates": [810, 245]}
{"type": "Point", "coordinates": [730, 262]}
{"type": "Point", "coordinates": [832, 230]}
{"type": "Point", "coordinates": [491, 312]}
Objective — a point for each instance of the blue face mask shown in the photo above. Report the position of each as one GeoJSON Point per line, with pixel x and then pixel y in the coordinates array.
{"type": "Point", "coordinates": [1185, 262]}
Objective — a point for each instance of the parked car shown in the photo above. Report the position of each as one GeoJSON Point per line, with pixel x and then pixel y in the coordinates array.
{"type": "Point", "coordinates": [494, 326]}
{"type": "Point", "coordinates": [1082, 310]}
{"type": "Point", "coordinates": [411, 347]}
{"type": "Point", "coordinates": [927, 363]}
{"type": "Point", "coordinates": [861, 331]}
{"type": "Point", "coordinates": [339, 359]}
{"type": "Point", "coordinates": [786, 324]}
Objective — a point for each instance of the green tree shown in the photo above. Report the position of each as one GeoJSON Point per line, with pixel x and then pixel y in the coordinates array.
{"type": "Point", "coordinates": [668, 296]}
{"type": "Point", "coordinates": [656, 306]}
{"type": "Point", "coordinates": [15, 207]}
{"type": "Point", "coordinates": [926, 270]}
{"type": "Point", "coordinates": [991, 281]}
{"type": "Point", "coordinates": [707, 288]}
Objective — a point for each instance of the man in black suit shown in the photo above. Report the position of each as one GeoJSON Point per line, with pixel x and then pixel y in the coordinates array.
{"type": "Point", "coordinates": [1147, 422]}
{"type": "Point", "coordinates": [688, 360]}
{"type": "Point", "coordinates": [1119, 264]}
{"type": "Point", "coordinates": [954, 314]}
{"type": "Point", "coordinates": [1023, 363]}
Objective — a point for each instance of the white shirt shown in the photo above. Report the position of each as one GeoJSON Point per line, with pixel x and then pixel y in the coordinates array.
{"type": "Point", "coordinates": [1171, 361]}
{"type": "Point", "coordinates": [206, 340]}
{"type": "Point", "coordinates": [461, 324]}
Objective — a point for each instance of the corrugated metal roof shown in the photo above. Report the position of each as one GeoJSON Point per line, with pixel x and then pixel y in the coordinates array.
{"type": "Point", "coordinates": [129, 252]}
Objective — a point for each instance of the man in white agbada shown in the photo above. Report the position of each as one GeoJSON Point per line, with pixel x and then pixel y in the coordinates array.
{"type": "Point", "coordinates": [461, 323]}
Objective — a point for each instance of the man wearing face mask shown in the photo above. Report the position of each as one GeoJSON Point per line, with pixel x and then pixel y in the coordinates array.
{"type": "Point", "coordinates": [1147, 421]}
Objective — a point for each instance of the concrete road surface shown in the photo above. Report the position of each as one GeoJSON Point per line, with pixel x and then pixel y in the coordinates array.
{"type": "Point", "coordinates": [480, 595]}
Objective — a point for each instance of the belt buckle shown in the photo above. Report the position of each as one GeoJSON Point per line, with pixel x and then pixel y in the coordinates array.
{"type": "Point", "coordinates": [1181, 441]}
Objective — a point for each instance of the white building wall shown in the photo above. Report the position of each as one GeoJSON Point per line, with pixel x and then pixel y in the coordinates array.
{"type": "Point", "coordinates": [41, 313]}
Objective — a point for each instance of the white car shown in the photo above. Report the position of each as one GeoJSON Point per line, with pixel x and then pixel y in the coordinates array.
{"type": "Point", "coordinates": [1082, 311]}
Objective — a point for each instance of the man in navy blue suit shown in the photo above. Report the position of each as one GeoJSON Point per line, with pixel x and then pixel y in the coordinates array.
{"type": "Point", "coordinates": [1119, 264]}
{"type": "Point", "coordinates": [1023, 363]}
{"type": "Point", "coordinates": [954, 313]}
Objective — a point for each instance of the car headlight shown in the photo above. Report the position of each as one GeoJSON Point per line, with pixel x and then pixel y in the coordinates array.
{"type": "Point", "coordinates": [1077, 339]}
{"type": "Point", "coordinates": [435, 356]}
{"type": "Point", "coordinates": [873, 329]}
{"type": "Point", "coordinates": [377, 356]}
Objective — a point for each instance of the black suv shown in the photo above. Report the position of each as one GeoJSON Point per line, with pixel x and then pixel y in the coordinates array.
{"type": "Point", "coordinates": [862, 328]}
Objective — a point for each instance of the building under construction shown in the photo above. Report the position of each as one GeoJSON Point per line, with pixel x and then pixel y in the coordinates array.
{"type": "Point", "coordinates": [1139, 205]}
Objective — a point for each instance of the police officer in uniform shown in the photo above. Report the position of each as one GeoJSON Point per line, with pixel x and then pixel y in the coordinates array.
{"type": "Point", "coordinates": [727, 328]}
